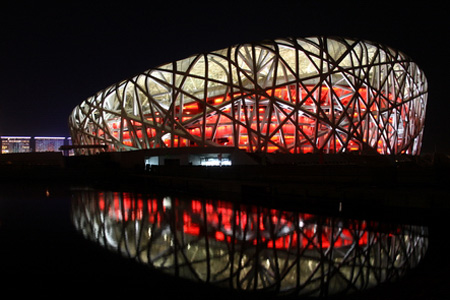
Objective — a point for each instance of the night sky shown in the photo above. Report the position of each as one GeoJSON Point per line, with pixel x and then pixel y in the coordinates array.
{"type": "Point", "coordinates": [52, 57]}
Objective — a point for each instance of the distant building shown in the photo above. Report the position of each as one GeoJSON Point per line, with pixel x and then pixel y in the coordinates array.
{"type": "Point", "coordinates": [16, 144]}
{"type": "Point", "coordinates": [48, 144]}
{"type": "Point", "coordinates": [25, 144]}
{"type": "Point", "coordinates": [295, 95]}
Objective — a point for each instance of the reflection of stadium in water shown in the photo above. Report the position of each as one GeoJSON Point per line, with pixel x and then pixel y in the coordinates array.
{"type": "Point", "coordinates": [249, 247]}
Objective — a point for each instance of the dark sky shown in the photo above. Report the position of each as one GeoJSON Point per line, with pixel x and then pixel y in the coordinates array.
{"type": "Point", "coordinates": [52, 57]}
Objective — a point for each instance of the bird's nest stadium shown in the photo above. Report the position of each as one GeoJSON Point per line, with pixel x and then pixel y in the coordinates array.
{"type": "Point", "coordinates": [292, 95]}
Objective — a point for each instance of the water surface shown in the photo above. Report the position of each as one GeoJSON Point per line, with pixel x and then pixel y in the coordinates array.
{"type": "Point", "coordinates": [59, 241]}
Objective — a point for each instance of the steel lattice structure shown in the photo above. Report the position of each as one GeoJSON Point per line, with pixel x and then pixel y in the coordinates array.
{"type": "Point", "coordinates": [249, 248]}
{"type": "Point", "coordinates": [293, 95]}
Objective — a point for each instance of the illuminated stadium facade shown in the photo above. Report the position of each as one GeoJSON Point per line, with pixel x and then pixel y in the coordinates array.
{"type": "Point", "coordinates": [306, 95]}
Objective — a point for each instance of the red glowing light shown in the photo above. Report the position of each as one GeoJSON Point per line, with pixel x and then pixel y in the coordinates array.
{"type": "Point", "coordinates": [221, 220]}
{"type": "Point", "coordinates": [282, 128]}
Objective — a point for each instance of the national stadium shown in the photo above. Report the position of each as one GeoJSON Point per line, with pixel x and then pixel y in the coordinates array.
{"type": "Point", "coordinates": [292, 95]}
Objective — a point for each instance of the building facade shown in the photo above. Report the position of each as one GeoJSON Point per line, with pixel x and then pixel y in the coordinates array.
{"type": "Point", "coordinates": [293, 95]}
{"type": "Point", "coordinates": [26, 144]}
{"type": "Point", "coordinates": [48, 143]}
{"type": "Point", "coordinates": [16, 144]}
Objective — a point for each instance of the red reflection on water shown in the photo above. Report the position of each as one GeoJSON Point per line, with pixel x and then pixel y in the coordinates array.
{"type": "Point", "coordinates": [222, 221]}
